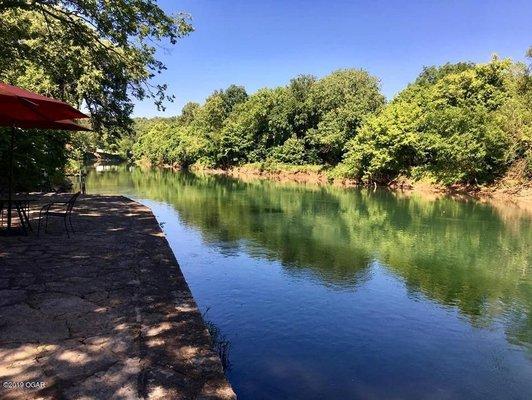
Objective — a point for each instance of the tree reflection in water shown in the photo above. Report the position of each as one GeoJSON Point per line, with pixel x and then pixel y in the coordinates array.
{"type": "Point", "coordinates": [458, 298]}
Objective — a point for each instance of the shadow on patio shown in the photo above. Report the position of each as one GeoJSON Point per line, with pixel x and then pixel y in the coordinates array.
{"type": "Point", "coordinates": [105, 314]}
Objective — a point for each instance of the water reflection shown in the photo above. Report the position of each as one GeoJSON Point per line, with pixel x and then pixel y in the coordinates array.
{"type": "Point", "coordinates": [460, 254]}
{"type": "Point", "coordinates": [463, 255]}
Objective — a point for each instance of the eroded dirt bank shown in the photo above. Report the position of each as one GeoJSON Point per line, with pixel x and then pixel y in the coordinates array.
{"type": "Point", "coordinates": [504, 192]}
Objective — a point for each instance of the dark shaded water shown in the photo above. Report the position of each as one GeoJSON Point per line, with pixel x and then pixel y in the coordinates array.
{"type": "Point", "coordinates": [326, 293]}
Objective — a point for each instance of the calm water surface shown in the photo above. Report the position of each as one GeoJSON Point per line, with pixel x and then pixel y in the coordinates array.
{"type": "Point", "coordinates": [326, 293]}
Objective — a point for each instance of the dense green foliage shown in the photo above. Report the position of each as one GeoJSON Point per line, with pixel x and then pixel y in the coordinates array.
{"type": "Point", "coordinates": [39, 159]}
{"type": "Point", "coordinates": [458, 123]}
{"type": "Point", "coordinates": [307, 121]}
{"type": "Point", "coordinates": [87, 52]}
{"type": "Point", "coordinates": [96, 56]}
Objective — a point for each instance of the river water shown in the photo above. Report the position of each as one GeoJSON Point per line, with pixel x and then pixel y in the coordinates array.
{"type": "Point", "coordinates": [329, 293]}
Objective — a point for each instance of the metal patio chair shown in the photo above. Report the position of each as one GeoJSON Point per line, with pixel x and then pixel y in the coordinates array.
{"type": "Point", "coordinates": [62, 209]}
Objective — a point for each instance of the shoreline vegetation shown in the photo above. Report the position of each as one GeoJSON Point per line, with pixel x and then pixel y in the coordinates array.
{"type": "Point", "coordinates": [459, 126]}
{"type": "Point", "coordinates": [460, 129]}
{"type": "Point", "coordinates": [498, 193]}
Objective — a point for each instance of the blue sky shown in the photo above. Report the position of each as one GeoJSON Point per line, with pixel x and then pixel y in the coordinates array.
{"type": "Point", "coordinates": [265, 43]}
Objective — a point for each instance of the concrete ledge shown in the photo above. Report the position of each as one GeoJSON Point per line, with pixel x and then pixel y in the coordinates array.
{"type": "Point", "coordinates": [105, 314]}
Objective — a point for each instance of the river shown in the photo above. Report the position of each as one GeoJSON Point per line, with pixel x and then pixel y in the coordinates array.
{"type": "Point", "coordinates": [331, 293]}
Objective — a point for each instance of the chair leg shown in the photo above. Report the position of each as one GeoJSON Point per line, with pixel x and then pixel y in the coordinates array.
{"type": "Point", "coordinates": [20, 214]}
{"type": "Point", "coordinates": [70, 221]}
{"type": "Point", "coordinates": [66, 226]}
{"type": "Point", "coordinates": [25, 214]}
{"type": "Point", "coordinates": [46, 224]}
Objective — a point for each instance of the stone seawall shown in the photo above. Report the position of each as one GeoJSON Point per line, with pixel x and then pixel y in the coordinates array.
{"type": "Point", "coordinates": [104, 314]}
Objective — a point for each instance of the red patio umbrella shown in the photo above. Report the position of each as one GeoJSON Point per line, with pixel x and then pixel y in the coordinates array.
{"type": "Point", "coordinates": [21, 107]}
{"type": "Point", "coordinates": [63, 125]}
{"type": "Point", "coordinates": [24, 109]}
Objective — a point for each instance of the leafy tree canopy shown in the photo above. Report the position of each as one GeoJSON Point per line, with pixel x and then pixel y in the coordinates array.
{"type": "Point", "coordinates": [307, 121]}
{"type": "Point", "coordinates": [457, 123]}
{"type": "Point", "coordinates": [97, 55]}
{"type": "Point", "coordinates": [94, 53]}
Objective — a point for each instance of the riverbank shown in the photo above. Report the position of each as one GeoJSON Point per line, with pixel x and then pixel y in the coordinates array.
{"type": "Point", "coordinates": [105, 314]}
{"type": "Point", "coordinates": [505, 190]}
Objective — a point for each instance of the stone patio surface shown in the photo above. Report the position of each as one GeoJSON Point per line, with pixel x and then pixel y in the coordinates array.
{"type": "Point", "coordinates": [105, 314]}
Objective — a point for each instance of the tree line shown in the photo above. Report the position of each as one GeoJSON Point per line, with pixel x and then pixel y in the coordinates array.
{"type": "Point", "coordinates": [456, 123]}
{"type": "Point", "coordinates": [467, 123]}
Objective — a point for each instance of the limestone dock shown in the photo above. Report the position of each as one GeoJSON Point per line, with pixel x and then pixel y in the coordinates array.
{"type": "Point", "coordinates": [105, 314]}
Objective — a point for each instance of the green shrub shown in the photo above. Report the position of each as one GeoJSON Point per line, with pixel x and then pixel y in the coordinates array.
{"type": "Point", "coordinates": [452, 124]}
{"type": "Point", "coordinates": [292, 151]}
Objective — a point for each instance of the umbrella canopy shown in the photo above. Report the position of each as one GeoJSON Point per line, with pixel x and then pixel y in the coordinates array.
{"type": "Point", "coordinates": [25, 109]}
{"type": "Point", "coordinates": [64, 125]}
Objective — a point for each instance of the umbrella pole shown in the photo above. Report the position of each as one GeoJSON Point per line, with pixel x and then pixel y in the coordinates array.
{"type": "Point", "coordinates": [10, 193]}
